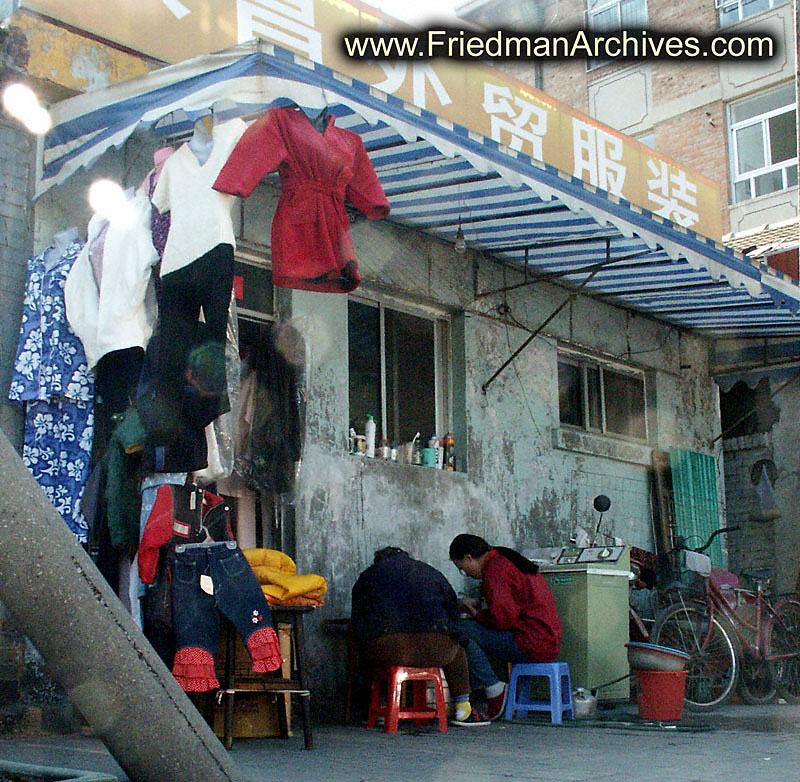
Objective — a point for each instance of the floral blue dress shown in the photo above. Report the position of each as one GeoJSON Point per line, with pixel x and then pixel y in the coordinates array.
{"type": "Point", "coordinates": [52, 379]}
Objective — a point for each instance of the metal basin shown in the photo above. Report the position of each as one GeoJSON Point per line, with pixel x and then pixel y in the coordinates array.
{"type": "Point", "coordinates": [652, 657]}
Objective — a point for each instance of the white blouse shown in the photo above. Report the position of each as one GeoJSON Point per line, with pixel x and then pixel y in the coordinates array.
{"type": "Point", "coordinates": [200, 217]}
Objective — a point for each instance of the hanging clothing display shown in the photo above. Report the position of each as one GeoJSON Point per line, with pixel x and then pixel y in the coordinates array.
{"type": "Point", "coordinates": [200, 217]}
{"type": "Point", "coordinates": [111, 304]}
{"type": "Point", "coordinates": [51, 377]}
{"type": "Point", "coordinates": [188, 529]}
{"type": "Point", "coordinates": [209, 578]}
{"type": "Point", "coordinates": [188, 382]}
{"type": "Point", "coordinates": [159, 223]}
{"type": "Point", "coordinates": [270, 423]}
{"type": "Point", "coordinates": [312, 248]}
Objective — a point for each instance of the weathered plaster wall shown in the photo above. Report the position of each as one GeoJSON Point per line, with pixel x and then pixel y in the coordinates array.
{"type": "Point", "coordinates": [518, 488]}
{"type": "Point", "coordinates": [527, 482]}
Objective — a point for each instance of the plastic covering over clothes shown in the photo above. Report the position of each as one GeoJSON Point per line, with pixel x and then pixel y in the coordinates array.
{"type": "Point", "coordinates": [271, 415]}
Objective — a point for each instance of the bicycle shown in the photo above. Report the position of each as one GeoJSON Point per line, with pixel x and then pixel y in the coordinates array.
{"type": "Point", "coordinates": [739, 638]}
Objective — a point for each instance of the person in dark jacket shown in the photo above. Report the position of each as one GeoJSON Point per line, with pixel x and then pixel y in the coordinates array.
{"type": "Point", "coordinates": [520, 622]}
{"type": "Point", "coordinates": [404, 613]}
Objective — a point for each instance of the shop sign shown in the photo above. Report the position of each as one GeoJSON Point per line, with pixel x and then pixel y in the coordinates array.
{"type": "Point", "coordinates": [484, 99]}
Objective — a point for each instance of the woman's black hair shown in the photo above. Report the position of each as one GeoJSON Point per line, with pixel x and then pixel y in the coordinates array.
{"type": "Point", "coordinates": [465, 544]}
{"type": "Point", "coordinates": [476, 546]}
{"type": "Point", "coordinates": [516, 559]}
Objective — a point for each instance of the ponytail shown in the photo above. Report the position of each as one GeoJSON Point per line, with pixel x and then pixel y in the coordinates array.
{"type": "Point", "coordinates": [516, 559]}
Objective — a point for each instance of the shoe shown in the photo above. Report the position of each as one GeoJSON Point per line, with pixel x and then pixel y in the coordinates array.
{"type": "Point", "coordinates": [475, 719]}
{"type": "Point", "coordinates": [496, 706]}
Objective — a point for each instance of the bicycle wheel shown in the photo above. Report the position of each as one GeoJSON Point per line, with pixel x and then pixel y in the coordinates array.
{"type": "Point", "coordinates": [756, 682]}
{"type": "Point", "coordinates": [783, 649]}
{"type": "Point", "coordinates": [713, 670]}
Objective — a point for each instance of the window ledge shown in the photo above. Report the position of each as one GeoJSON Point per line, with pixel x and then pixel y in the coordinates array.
{"type": "Point", "coordinates": [599, 445]}
{"type": "Point", "coordinates": [376, 464]}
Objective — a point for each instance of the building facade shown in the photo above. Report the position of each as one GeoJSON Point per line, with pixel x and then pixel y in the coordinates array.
{"type": "Point", "coordinates": [579, 412]}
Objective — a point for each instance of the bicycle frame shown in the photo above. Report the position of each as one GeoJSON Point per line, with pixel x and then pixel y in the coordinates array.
{"type": "Point", "coordinates": [749, 633]}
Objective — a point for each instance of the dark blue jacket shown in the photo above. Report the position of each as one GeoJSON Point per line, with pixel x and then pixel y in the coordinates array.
{"type": "Point", "coordinates": [402, 595]}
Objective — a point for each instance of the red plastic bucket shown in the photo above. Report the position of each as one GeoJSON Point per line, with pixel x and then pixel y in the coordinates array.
{"type": "Point", "coordinates": [661, 694]}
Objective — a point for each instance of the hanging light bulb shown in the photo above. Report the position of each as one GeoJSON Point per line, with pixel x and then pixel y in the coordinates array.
{"type": "Point", "coordinates": [461, 243]}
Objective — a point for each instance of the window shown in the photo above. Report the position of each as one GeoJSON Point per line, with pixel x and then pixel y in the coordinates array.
{"type": "Point", "coordinates": [732, 11]}
{"type": "Point", "coordinates": [600, 397]}
{"type": "Point", "coordinates": [763, 136]}
{"type": "Point", "coordinates": [252, 288]}
{"type": "Point", "coordinates": [605, 15]}
{"type": "Point", "coordinates": [398, 371]}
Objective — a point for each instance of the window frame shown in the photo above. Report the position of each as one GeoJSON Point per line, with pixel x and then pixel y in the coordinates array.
{"type": "Point", "coordinates": [243, 255]}
{"type": "Point", "coordinates": [442, 355]}
{"type": "Point", "coordinates": [761, 120]}
{"type": "Point", "coordinates": [727, 22]}
{"type": "Point", "coordinates": [601, 6]}
{"type": "Point", "coordinates": [586, 362]}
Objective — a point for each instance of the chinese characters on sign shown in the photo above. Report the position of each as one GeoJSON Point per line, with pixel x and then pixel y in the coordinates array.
{"type": "Point", "coordinates": [516, 119]}
{"type": "Point", "coordinates": [597, 157]}
{"type": "Point", "coordinates": [486, 100]}
{"type": "Point", "coordinates": [673, 193]}
{"type": "Point", "coordinates": [287, 22]}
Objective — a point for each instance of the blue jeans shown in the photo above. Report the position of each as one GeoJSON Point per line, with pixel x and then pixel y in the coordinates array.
{"type": "Point", "coordinates": [236, 593]}
{"type": "Point", "coordinates": [484, 643]}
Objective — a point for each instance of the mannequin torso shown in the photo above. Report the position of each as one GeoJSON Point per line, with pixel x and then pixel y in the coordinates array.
{"type": "Point", "coordinates": [202, 141]}
{"type": "Point", "coordinates": [61, 241]}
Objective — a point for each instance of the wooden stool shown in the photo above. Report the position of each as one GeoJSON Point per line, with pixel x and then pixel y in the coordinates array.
{"type": "Point", "coordinates": [392, 712]}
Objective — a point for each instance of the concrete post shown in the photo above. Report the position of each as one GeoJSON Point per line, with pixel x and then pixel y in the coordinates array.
{"type": "Point", "coordinates": [91, 644]}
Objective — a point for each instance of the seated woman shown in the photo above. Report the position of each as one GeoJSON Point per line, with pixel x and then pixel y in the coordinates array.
{"type": "Point", "coordinates": [404, 613]}
{"type": "Point", "coordinates": [520, 622]}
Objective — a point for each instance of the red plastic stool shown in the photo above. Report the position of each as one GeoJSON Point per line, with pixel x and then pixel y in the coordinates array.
{"type": "Point", "coordinates": [392, 712]}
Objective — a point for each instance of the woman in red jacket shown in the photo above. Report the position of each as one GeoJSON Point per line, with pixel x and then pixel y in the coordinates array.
{"type": "Point", "coordinates": [520, 622]}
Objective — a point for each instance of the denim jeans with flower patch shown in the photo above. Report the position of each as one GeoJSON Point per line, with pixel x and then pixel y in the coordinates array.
{"type": "Point", "coordinates": [236, 593]}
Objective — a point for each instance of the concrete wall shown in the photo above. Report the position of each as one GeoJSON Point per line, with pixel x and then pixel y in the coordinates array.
{"type": "Point", "coordinates": [527, 481]}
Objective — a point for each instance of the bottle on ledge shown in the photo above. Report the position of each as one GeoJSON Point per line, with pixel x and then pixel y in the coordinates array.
{"type": "Point", "coordinates": [369, 432]}
{"type": "Point", "coordinates": [449, 448]}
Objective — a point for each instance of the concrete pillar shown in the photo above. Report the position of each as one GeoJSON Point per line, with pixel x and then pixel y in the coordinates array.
{"type": "Point", "coordinates": [91, 644]}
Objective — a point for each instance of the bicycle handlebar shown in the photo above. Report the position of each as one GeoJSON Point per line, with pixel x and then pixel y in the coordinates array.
{"type": "Point", "coordinates": [682, 545]}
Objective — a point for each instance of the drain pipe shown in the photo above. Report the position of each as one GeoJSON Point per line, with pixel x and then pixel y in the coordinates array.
{"type": "Point", "coordinates": [91, 644]}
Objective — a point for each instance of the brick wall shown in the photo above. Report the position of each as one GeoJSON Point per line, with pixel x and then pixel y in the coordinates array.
{"type": "Point", "coordinates": [752, 546]}
{"type": "Point", "coordinates": [17, 169]}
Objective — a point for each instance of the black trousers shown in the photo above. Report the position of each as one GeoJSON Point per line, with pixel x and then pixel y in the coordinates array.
{"type": "Point", "coordinates": [182, 410]}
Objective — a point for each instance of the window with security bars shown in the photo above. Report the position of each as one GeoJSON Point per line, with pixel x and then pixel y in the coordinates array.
{"type": "Point", "coordinates": [601, 398]}
{"type": "Point", "coordinates": [763, 138]}
{"type": "Point", "coordinates": [732, 11]}
{"type": "Point", "coordinates": [398, 370]}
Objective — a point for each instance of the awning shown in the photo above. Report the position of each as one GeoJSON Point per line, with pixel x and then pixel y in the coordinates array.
{"type": "Point", "coordinates": [438, 176]}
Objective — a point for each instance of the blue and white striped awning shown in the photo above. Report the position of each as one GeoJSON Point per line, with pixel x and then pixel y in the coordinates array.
{"type": "Point", "coordinates": [437, 174]}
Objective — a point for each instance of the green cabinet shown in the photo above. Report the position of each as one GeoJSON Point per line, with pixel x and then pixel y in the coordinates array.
{"type": "Point", "coordinates": [592, 601]}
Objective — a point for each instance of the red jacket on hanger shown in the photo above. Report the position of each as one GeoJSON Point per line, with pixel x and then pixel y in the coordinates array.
{"type": "Point", "coordinates": [312, 248]}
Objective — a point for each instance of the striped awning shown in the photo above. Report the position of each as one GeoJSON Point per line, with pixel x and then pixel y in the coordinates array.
{"type": "Point", "coordinates": [438, 176]}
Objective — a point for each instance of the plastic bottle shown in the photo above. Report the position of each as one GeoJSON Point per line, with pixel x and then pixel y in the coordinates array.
{"type": "Point", "coordinates": [369, 432]}
{"type": "Point", "coordinates": [437, 449]}
{"type": "Point", "coordinates": [351, 441]}
{"type": "Point", "coordinates": [416, 450]}
{"type": "Point", "coordinates": [383, 448]}
{"type": "Point", "coordinates": [449, 447]}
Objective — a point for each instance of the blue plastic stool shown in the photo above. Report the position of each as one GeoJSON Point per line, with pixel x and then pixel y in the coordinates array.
{"type": "Point", "coordinates": [519, 686]}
